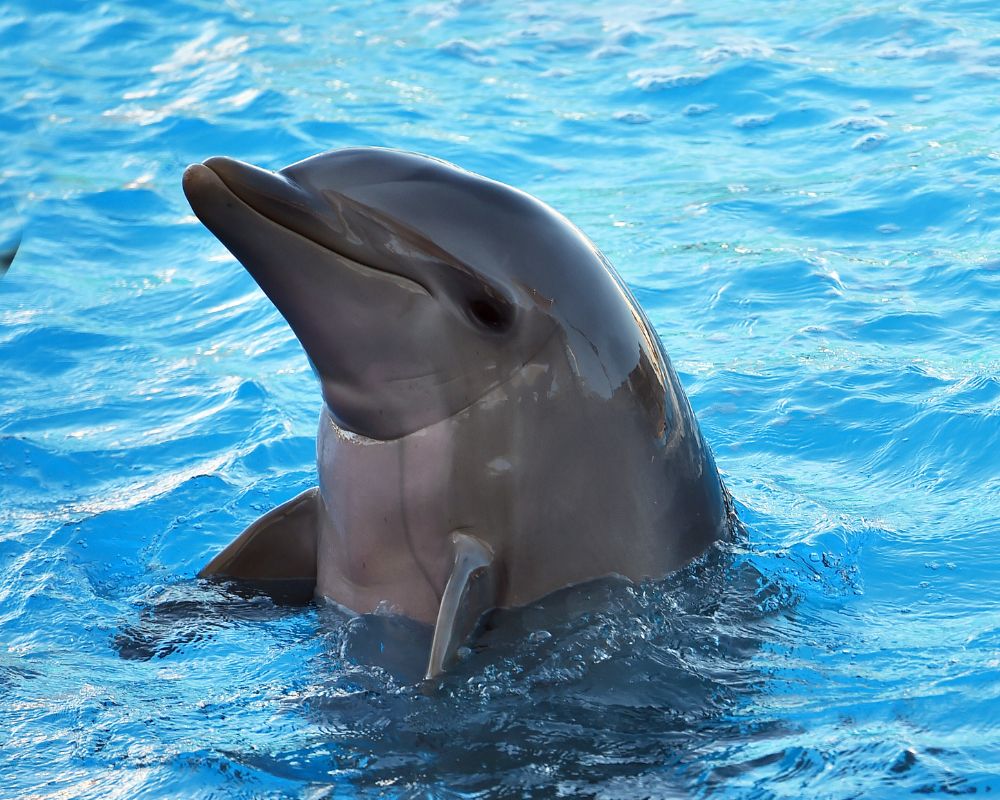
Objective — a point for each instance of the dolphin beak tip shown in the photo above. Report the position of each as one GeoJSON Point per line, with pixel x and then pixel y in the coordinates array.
{"type": "Point", "coordinates": [200, 182]}
{"type": "Point", "coordinates": [193, 176]}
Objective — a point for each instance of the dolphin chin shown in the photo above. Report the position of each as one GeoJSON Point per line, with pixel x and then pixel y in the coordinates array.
{"type": "Point", "coordinates": [500, 420]}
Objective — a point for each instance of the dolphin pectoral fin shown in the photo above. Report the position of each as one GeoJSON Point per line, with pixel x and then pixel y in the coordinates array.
{"type": "Point", "coordinates": [278, 550]}
{"type": "Point", "coordinates": [469, 593]}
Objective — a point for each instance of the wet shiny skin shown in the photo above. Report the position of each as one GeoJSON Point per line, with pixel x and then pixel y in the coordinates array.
{"type": "Point", "coordinates": [552, 429]}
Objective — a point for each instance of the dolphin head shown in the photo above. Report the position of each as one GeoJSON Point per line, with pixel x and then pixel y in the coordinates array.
{"type": "Point", "coordinates": [415, 287]}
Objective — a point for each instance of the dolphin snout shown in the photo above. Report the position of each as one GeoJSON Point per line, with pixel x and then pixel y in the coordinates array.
{"type": "Point", "coordinates": [269, 193]}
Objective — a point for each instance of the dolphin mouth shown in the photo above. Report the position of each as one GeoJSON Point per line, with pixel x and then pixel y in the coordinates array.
{"type": "Point", "coordinates": [286, 204]}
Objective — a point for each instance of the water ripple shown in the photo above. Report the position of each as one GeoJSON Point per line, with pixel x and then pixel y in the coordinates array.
{"type": "Point", "coordinates": [805, 203]}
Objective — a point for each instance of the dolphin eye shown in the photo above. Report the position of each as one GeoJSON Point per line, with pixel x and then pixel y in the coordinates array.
{"type": "Point", "coordinates": [491, 313]}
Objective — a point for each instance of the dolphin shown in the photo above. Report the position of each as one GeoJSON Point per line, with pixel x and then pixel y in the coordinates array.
{"type": "Point", "coordinates": [499, 418]}
{"type": "Point", "coordinates": [7, 256]}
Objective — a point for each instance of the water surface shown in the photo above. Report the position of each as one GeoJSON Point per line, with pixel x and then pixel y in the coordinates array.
{"type": "Point", "coordinates": [804, 198]}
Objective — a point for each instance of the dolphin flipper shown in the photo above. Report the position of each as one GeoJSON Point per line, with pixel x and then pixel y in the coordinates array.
{"type": "Point", "coordinates": [277, 550]}
{"type": "Point", "coordinates": [7, 256]}
{"type": "Point", "coordinates": [469, 593]}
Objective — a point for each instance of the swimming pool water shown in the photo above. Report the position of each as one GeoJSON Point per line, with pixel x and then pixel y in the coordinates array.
{"type": "Point", "coordinates": [804, 198]}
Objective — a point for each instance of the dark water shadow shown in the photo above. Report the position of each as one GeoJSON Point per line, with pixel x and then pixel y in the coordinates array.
{"type": "Point", "coordinates": [610, 688]}
{"type": "Point", "coordinates": [611, 685]}
{"type": "Point", "coordinates": [192, 612]}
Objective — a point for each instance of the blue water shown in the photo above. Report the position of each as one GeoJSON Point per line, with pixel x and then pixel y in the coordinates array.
{"type": "Point", "coordinates": [805, 197]}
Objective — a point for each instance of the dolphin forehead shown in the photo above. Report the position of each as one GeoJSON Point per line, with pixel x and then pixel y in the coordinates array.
{"type": "Point", "coordinates": [357, 169]}
{"type": "Point", "coordinates": [503, 232]}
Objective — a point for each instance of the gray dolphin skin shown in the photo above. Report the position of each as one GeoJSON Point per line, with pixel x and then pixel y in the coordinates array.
{"type": "Point", "coordinates": [499, 418]}
{"type": "Point", "coordinates": [7, 256]}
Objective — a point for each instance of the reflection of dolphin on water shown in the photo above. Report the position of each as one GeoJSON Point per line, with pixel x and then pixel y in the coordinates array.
{"type": "Point", "coordinates": [499, 419]}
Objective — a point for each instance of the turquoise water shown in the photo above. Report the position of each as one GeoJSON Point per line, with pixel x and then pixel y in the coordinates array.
{"type": "Point", "coordinates": [804, 198]}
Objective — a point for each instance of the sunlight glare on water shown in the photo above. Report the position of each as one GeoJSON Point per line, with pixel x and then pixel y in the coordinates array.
{"type": "Point", "coordinates": [803, 197]}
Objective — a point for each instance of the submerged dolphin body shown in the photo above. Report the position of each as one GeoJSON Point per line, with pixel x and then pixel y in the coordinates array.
{"type": "Point", "coordinates": [499, 418]}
